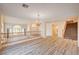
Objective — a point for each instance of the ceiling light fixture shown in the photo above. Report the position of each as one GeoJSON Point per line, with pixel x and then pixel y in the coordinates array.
{"type": "Point", "coordinates": [37, 20]}
{"type": "Point", "coordinates": [25, 5]}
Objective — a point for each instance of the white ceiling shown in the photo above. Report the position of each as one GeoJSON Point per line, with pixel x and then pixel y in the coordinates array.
{"type": "Point", "coordinates": [47, 11]}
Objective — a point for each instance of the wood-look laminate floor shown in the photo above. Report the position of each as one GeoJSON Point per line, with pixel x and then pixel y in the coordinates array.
{"type": "Point", "coordinates": [43, 46]}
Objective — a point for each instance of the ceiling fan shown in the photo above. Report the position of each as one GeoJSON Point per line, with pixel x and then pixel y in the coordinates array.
{"type": "Point", "coordinates": [25, 5]}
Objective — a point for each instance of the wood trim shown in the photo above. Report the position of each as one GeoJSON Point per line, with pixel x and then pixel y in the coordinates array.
{"type": "Point", "coordinates": [67, 26]}
{"type": "Point", "coordinates": [72, 19]}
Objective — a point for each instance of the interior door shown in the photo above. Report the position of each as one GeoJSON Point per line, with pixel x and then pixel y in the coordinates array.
{"type": "Point", "coordinates": [54, 31]}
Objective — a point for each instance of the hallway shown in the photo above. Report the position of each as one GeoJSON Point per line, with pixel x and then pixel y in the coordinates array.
{"type": "Point", "coordinates": [43, 46]}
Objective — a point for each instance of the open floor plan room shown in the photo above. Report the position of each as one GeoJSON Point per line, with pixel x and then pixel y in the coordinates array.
{"type": "Point", "coordinates": [39, 29]}
{"type": "Point", "coordinates": [43, 46]}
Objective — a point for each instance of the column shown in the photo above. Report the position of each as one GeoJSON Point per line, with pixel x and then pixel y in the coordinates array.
{"type": "Point", "coordinates": [2, 40]}
{"type": "Point", "coordinates": [78, 32]}
{"type": "Point", "coordinates": [0, 32]}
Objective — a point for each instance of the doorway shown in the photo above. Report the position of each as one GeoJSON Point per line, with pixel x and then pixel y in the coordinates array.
{"type": "Point", "coordinates": [48, 29]}
{"type": "Point", "coordinates": [54, 31]}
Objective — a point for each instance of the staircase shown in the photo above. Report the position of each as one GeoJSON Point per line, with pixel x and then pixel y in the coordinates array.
{"type": "Point", "coordinates": [71, 31]}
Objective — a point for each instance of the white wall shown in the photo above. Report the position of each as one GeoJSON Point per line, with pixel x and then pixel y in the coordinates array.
{"type": "Point", "coordinates": [42, 29]}
{"type": "Point", "coordinates": [14, 20]}
{"type": "Point", "coordinates": [47, 31]}
{"type": "Point", "coordinates": [46, 28]}
{"type": "Point", "coordinates": [60, 26]}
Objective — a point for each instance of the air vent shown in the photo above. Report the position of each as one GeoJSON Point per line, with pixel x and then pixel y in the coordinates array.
{"type": "Point", "coordinates": [25, 5]}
